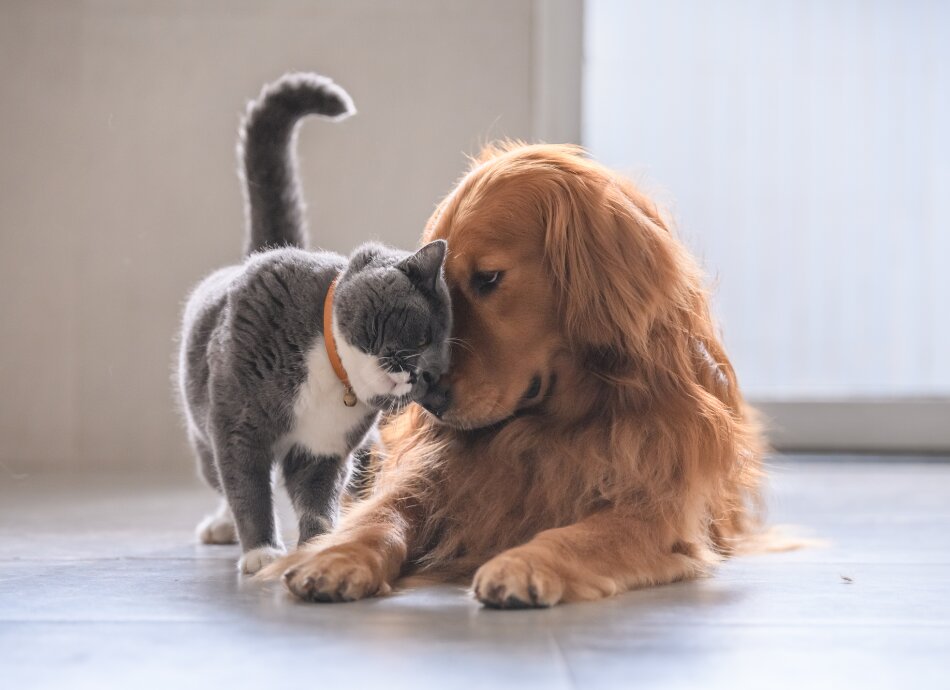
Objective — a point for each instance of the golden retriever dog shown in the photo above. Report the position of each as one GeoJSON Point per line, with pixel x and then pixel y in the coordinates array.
{"type": "Point", "coordinates": [591, 436]}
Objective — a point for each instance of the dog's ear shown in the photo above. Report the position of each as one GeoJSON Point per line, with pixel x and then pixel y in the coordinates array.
{"type": "Point", "coordinates": [616, 265]}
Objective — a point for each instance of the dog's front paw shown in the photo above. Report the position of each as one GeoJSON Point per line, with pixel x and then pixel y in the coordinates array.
{"type": "Point", "coordinates": [511, 581]}
{"type": "Point", "coordinates": [341, 573]}
{"type": "Point", "coordinates": [255, 559]}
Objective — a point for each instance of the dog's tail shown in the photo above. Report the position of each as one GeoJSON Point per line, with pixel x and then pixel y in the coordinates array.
{"type": "Point", "coordinates": [775, 539]}
{"type": "Point", "coordinates": [274, 206]}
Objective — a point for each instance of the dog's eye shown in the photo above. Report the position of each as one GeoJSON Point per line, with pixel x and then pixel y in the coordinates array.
{"type": "Point", "coordinates": [483, 282]}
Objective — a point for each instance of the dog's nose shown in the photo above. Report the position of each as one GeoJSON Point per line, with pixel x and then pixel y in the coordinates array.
{"type": "Point", "coordinates": [437, 399]}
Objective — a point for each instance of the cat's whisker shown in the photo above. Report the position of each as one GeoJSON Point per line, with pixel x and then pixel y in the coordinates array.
{"type": "Point", "coordinates": [460, 343]}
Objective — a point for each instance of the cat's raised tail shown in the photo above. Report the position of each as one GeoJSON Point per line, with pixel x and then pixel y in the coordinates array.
{"type": "Point", "coordinates": [274, 205]}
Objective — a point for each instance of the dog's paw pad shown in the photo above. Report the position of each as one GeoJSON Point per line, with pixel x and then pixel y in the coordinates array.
{"type": "Point", "coordinates": [255, 559]}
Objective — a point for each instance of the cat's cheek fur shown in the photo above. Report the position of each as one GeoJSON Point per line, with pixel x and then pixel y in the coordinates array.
{"type": "Point", "coordinates": [401, 385]}
{"type": "Point", "coordinates": [368, 379]}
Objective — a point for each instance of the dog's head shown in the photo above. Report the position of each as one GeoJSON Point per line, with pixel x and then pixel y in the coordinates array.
{"type": "Point", "coordinates": [558, 268]}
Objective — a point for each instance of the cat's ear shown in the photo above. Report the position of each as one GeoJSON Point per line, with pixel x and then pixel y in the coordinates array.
{"type": "Point", "coordinates": [425, 266]}
{"type": "Point", "coordinates": [364, 255]}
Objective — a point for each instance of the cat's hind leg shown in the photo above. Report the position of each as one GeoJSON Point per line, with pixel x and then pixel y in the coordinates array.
{"type": "Point", "coordinates": [315, 484]}
{"type": "Point", "coordinates": [217, 527]}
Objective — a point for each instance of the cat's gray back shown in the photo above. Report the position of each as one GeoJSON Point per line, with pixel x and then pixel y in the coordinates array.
{"type": "Point", "coordinates": [248, 332]}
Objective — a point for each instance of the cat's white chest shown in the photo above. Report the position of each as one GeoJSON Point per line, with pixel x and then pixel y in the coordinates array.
{"type": "Point", "coordinates": [322, 421]}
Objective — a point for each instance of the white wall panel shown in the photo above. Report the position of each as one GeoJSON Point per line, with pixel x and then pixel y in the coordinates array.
{"type": "Point", "coordinates": [118, 121]}
{"type": "Point", "coordinates": [804, 149]}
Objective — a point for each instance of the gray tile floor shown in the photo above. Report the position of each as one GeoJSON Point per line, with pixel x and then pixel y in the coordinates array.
{"type": "Point", "coordinates": [102, 585]}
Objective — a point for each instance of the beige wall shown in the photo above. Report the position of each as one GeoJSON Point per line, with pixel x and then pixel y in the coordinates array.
{"type": "Point", "coordinates": [118, 192]}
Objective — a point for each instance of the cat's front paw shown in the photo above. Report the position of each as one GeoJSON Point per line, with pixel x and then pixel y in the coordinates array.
{"type": "Point", "coordinates": [342, 573]}
{"type": "Point", "coordinates": [255, 559]}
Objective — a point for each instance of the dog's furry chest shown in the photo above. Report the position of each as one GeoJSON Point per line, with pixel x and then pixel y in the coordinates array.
{"type": "Point", "coordinates": [321, 422]}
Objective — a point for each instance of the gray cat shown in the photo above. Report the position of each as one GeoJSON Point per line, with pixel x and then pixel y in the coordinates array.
{"type": "Point", "coordinates": [257, 374]}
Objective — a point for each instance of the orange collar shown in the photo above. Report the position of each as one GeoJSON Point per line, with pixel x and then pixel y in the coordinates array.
{"type": "Point", "coordinates": [349, 397]}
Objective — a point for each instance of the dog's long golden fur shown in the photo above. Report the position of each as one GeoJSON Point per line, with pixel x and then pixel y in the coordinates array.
{"type": "Point", "coordinates": [635, 462]}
